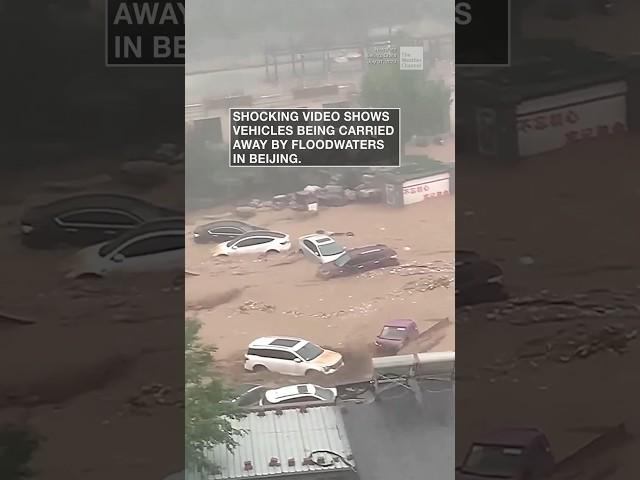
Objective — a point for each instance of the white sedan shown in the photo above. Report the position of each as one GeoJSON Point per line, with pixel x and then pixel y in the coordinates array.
{"type": "Point", "coordinates": [299, 394]}
{"type": "Point", "coordinates": [153, 246]}
{"type": "Point", "coordinates": [320, 248]}
{"type": "Point", "coordinates": [254, 242]}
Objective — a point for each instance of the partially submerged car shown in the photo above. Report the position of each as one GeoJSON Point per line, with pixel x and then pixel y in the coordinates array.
{"type": "Point", "coordinates": [305, 393]}
{"type": "Point", "coordinates": [247, 395]}
{"type": "Point", "coordinates": [291, 356]}
{"type": "Point", "coordinates": [320, 248]}
{"type": "Point", "coordinates": [84, 220]}
{"type": "Point", "coordinates": [222, 231]}
{"type": "Point", "coordinates": [259, 241]}
{"type": "Point", "coordinates": [359, 260]}
{"type": "Point", "coordinates": [521, 453]}
{"type": "Point", "coordinates": [477, 280]}
{"type": "Point", "coordinates": [511, 453]}
{"type": "Point", "coordinates": [153, 246]}
{"type": "Point", "coordinates": [395, 335]}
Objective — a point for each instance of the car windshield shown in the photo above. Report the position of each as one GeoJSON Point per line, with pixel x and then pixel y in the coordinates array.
{"type": "Point", "coordinates": [330, 249]}
{"type": "Point", "coordinates": [493, 461]}
{"type": "Point", "coordinates": [342, 260]}
{"type": "Point", "coordinates": [394, 333]}
{"type": "Point", "coordinates": [310, 351]}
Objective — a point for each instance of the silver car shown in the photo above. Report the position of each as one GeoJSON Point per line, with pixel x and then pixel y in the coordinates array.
{"type": "Point", "coordinates": [299, 394]}
{"type": "Point", "coordinates": [320, 248]}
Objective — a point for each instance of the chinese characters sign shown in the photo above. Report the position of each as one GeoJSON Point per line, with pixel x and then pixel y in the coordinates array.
{"type": "Point", "coordinates": [418, 190]}
{"type": "Point", "coordinates": [544, 129]}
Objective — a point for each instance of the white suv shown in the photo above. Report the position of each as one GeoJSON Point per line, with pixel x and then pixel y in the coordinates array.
{"type": "Point", "coordinates": [291, 356]}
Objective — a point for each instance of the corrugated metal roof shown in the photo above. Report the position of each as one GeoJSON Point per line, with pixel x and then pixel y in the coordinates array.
{"type": "Point", "coordinates": [293, 434]}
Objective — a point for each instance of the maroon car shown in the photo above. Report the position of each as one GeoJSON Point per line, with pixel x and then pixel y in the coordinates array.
{"type": "Point", "coordinates": [359, 260]}
{"type": "Point", "coordinates": [395, 335]}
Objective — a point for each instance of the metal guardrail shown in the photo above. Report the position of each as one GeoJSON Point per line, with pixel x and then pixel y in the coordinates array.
{"type": "Point", "coordinates": [438, 365]}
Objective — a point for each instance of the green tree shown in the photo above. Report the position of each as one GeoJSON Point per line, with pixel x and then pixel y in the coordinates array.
{"type": "Point", "coordinates": [207, 415]}
{"type": "Point", "coordinates": [17, 446]}
{"type": "Point", "coordinates": [424, 103]}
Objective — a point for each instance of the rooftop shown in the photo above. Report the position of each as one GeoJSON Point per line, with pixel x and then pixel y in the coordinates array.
{"type": "Point", "coordinates": [291, 434]}
{"type": "Point", "coordinates": [544, 67]}
{"type": "Point", "coordinates": [397, 438]}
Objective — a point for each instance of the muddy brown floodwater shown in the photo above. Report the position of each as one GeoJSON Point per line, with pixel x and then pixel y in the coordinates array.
{"type": "Point", "coordinates": [561, 355]}
{"type": "Point", "coordinates": [93, 349]}
{"type": "Point", "coordinates": [241, 298]}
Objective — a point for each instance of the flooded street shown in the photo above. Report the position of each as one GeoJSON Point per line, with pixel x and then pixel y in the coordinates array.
{"type": "Point", "coordinates": [98, 343]}
{"type": "Point", "coordinates": [245, 297]}
{"type": "Point", "coordinates": [560, 354]}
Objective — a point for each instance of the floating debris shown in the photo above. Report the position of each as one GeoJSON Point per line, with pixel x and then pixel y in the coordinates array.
{"type": "Point", "coordinates": [154, 395]}
{"type": "Point", "coordinates": [250, 305]}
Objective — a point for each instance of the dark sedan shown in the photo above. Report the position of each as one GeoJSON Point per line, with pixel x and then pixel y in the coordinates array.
{"type": "Point", "coordinates": [359, 260]}
{"type": "Point", "coordinates": [477, 280]}
{"type": "Point", "coordinates": [222, 231]}
{"type": "Point", "coordinates": [84, 220]}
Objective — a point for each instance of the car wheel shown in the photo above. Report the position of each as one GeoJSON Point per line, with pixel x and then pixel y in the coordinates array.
{"type": "Point", "coordinates": [259, 369]}
{"type": "Point", "coordinates": [272, 252]}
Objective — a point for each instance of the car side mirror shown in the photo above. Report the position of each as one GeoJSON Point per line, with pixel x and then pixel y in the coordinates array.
{"type": "Point", "coordinates": [297, 360]}
{"type": "Point", "coordinates": [234, 247]}
{"type": "Point", "coordinates": [118, 258]}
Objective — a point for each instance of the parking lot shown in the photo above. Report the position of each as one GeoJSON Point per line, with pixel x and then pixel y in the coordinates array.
{"type": "Point", "coordinates": [240, 298]}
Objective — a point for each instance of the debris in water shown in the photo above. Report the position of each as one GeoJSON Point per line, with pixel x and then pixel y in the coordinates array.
{"type": "Point", "coordinates": [251, 305]}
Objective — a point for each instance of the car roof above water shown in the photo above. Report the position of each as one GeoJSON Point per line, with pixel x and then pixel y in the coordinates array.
{"type": "Point", "coordinates": [228, 223]}
{"type": "Point", "coordinates": [173, 225]}
{"type": "Point", "coordinates": [370, 249]}
{"type": "Point", "coordinates": [261, 233]}
{"type": "Point", "coordinates": [98, 200]}
{"type": "Point", "coordinates": [318, 238]}
{"type": "Point", "coordinates": [160, 224]}
{"type": "Point", "coordinates": [400, 322]}
{"type": "Point", "coordinates": [290, 391]}
{"type": "Point", "coordinates": [510, 437]}
{"type": "Point", "coordinates": [277, 342]}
